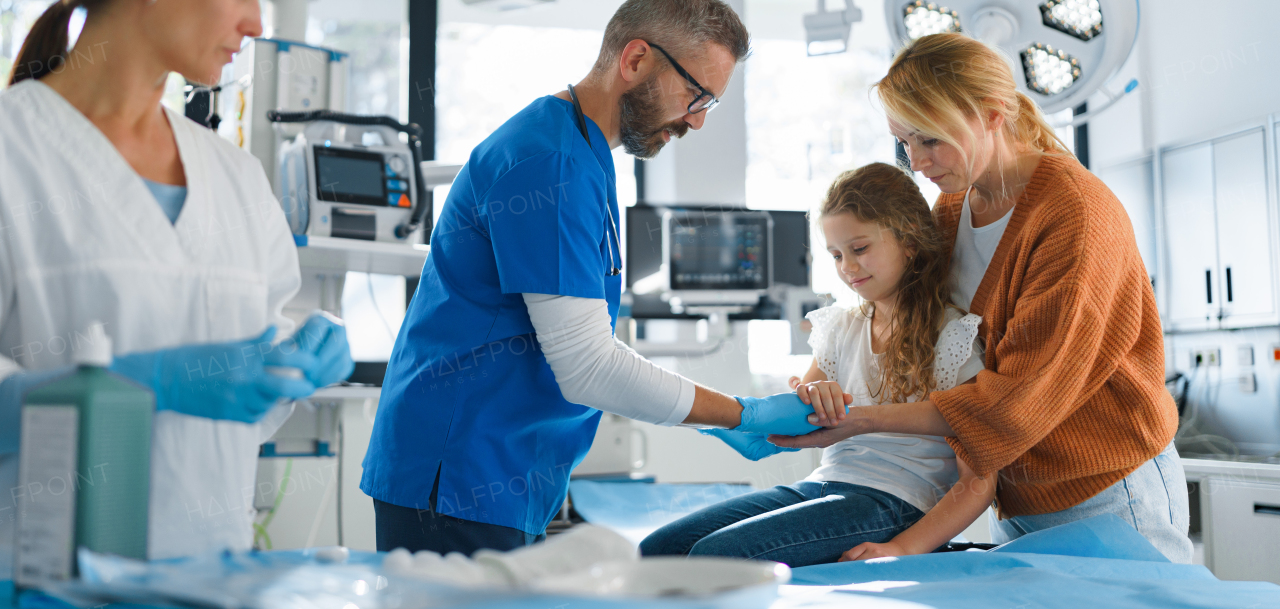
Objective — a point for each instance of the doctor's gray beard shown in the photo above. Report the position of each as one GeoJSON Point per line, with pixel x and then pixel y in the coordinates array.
{"type": "Point", "coordinates": [640, 120]}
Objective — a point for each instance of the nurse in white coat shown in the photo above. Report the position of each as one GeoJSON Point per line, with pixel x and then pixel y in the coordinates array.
{"type": "Point", "coordinates": [115, 209]}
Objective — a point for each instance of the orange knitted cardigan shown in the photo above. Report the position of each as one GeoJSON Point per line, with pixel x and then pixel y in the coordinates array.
{"type": "Point", "coordinates": [1073, 398]}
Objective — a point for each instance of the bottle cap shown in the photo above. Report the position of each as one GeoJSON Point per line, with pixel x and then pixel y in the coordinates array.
{"type": "Point", "coordinates": [94, 348]}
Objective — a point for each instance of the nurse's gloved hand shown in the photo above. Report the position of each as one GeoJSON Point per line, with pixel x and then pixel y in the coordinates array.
{"type": "Point", "coordinates": [753, 446]}
{"type": "Point", "coordinates": [325, 338]}
{"type": "Point", "coordinates": [782, 414]}
{"type": "Point", "coordinates": [227, 381]}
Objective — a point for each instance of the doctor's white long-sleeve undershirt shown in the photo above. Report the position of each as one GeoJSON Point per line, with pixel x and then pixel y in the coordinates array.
{"type": "Point", "coordinates": [593, 368]}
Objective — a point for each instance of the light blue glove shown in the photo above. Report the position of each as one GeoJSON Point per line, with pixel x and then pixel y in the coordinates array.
{"type": "Point", "coordinates": [325, 338]}
{"type": "Point", "coordinates": [219, 381]}
{"type": "Point", "coordinates": [782, 414]}
{"type": "Point", "coordinates": [753, 446]}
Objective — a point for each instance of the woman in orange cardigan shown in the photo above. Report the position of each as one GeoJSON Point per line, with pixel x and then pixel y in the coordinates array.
{"type": "Point", "coordinates": [1072, 409]}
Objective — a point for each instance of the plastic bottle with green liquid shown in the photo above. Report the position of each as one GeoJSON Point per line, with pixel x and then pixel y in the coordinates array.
{"type": "Point", "coordinates": [84, 466]}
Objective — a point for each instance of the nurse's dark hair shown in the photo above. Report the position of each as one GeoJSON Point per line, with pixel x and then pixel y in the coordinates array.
{"type": "Point", "coordinates": [681, 27]}
{"type": "Point", "coordinates": [45, 49]}
{"type": "Point", "coordinates": [888, 197]}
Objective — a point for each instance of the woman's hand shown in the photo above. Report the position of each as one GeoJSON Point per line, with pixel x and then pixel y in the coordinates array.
{"type": "Point", "coordinates": [829, 401]}
{"type": "Point", "coordinates": [857, 421]}
{"type": "Point", "coordinates": [324, 337]}
{"type": "Point", "coordinates": [867, 550]}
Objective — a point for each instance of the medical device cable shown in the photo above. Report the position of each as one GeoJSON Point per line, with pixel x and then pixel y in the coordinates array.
{"type": "Point", "coordinates": [329, 492]}
{"type": "Point", "coordinates": [377, 309]}
{"type": "Point", "coordinates": [341, 452]}
{"type": "Point", "coordinates": [260, 530]}
{"type": "Point", "coordinates": [1189, 433]}
{"type": "Point", "coordinates": [1179, 394]}
{"type": "Point", "coordinates": [1194, 405]}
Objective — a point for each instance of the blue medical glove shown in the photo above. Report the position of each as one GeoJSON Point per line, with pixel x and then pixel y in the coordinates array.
{"type": "Point", "coordinates": [226, 381]}
{"type": "Point", "coordinates": [782, 414]}
{"type": "Point", "coordinates": [753, 446]}
{"type": "Point", "coordinates": [325, 338]}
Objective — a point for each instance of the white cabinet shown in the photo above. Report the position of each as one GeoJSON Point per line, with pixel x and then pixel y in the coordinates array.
{"type": "Point", "coordinates": [1243, 531]}
{"type": "Point", "coordinates": [1190, 236]}
{"type": "Point", "coordinates": [1218, 234]}
{"type": "Point", "coordinates": [1239, 517]}
{"type": "Point", "coordinates": [1244, 230]}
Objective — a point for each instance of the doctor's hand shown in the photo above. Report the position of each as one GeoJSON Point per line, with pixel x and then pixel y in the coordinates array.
{"type": "Point", "coordinates": [830, 403]}
{"type": "Point", "coordinates": [226, 381]}
{"type": "Point", "coordinates": [782, 414]}
{"type": "Point", "coordinates": [856, 422]}
{"type": "Point", "coordinates": [750, 445]}
{"type": "Point", "coordinates": [324, 338]}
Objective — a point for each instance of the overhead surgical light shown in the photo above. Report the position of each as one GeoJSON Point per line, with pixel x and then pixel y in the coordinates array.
{"type": "Point", "coordinates": [1067, 49]}
{"type": "Point", "coordinates": [827, 32]}
{"type": "Point", "coordinates": [922, 19]}
{"type": "Point", "coordinates": [1080, 18]}
{"type": "Point", "coordinates": [1049, 72]}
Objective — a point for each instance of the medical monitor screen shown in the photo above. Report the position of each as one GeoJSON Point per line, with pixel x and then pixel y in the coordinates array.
{"type": "Point", "coordinates": [724, 251]}
{"type": "Point", "coordinates": [350, 176]}
{"type": "Point", "coordinates": [643, 242]}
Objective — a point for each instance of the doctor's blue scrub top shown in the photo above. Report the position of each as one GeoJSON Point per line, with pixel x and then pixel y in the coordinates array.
{"type": "Point", "coordinates": [468, 394]}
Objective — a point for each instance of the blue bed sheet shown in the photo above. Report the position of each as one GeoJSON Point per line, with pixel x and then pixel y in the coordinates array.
{"type": "Point", "coordinates": [636, 509]}
{"type": "Point", "coordinates": [1098, 563]}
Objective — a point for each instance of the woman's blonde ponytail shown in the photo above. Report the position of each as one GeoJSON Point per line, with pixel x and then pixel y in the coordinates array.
{"type": "Point", "coordinates": [1032, 129]}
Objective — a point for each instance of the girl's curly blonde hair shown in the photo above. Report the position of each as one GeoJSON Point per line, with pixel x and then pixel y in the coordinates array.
{"type": "Point", "coordinates": [886, 196]}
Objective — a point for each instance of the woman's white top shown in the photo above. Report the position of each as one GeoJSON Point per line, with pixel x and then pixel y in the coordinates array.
{"type": "Point", "coordinates": [82, 240]}
{"type": "Point", "coordinates": [972, 254]}
{"type": "Point", "coordinates": [916, 469]}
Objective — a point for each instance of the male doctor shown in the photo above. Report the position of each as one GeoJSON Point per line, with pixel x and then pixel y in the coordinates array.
{"type": "Point", "coordinates": [507, 354]}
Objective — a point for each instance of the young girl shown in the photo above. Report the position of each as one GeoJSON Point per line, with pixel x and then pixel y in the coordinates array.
{"type": "Point", "coordinates": [874, 494]}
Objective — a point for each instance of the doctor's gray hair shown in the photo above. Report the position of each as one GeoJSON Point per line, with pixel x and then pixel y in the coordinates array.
{"type": "Point", "coordinates": [45, 49]}
{"type": "Point", "coordinates": [681, 27]}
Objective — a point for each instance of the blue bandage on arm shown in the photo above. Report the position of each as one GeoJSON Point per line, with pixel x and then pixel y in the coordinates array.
{"type": "Point", "coordinates": [11, 391]}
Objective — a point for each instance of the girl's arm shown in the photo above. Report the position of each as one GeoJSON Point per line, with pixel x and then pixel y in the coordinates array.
{"type": "Point", "coordinates": [913, 418]}
{"type": "Point", "coordinates": [963, 504]}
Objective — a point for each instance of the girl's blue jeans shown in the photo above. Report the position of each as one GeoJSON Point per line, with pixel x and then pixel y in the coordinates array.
{"type": "Point", "coordinates": [805, 523]}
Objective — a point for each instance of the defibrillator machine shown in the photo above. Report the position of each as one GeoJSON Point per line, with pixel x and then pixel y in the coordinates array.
{"type": "Point", "coordinates": [351, 176]}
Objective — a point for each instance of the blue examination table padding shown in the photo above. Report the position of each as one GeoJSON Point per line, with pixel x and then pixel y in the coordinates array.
{"type": "Point", "coordinates": [1098, 563]}
{"type": "Point", "coordinates": [635, 509]}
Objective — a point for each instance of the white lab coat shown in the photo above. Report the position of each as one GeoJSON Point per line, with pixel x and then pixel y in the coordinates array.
{"type": "Point", "coordinates": [82, 239]}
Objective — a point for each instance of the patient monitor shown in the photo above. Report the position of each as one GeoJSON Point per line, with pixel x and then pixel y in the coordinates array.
{"type": "Point", "coordinates": [716, 258]}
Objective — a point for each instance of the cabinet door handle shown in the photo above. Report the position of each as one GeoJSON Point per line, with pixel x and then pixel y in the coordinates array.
{"type": "Point", "coordinates": [1208, 285]}
{"type": "Point", "coordinates": [1228, 284]}
{"type": "Point", "coordinates": [1262, 508]}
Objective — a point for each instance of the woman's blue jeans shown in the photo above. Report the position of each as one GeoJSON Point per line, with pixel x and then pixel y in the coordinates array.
{"type": "Point", "coordinates": [806, 523]}
{"type": "Point", "coordinates": [1153, 499]}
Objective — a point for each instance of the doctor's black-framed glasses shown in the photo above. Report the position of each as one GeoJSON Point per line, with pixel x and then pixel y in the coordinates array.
{"type": "Point", "coordinates": [705, 99]}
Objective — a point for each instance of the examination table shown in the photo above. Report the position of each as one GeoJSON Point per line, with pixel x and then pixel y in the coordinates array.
{"type": "Point", "coordinates": [1096, 563]}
